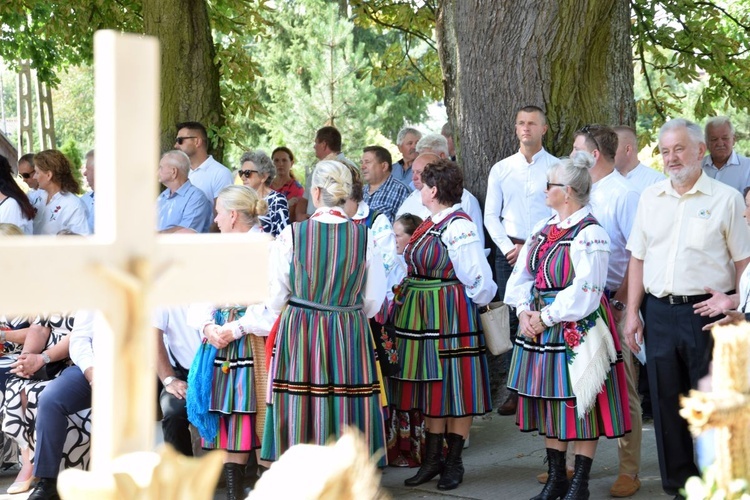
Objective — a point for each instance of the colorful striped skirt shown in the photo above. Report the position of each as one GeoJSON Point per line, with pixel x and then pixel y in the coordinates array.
{"type": "Point", "coordinates": [324, 379]}
{"type": "Point", "coordinates": [442, 352]}
{"type": "Point", "coordinates": [234, 398]}
{"type": "Point", "coordinates": [546, 402]}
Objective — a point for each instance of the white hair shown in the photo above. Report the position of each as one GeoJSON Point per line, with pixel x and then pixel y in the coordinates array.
{"type": "Point", "coordinates": [406, 131]}
{"type": "Point", "coordinates": [435, 143]}
{"type": "Point", "coordinates": [179, 160]}
{"type": "Point", "coordinates": [693, 129]}
{"type": "Point", "coordinates": [718, 121]}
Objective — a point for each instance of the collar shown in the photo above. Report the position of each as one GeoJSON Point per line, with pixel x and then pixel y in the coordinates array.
{"type": "Point", "coordinates": [538, 155]}
{"type": "Point", "coordinates": [387, 181]}
{"type": "Point", "coordinates": [703, 184]}
{"type": "Point", "coordinates": [363, 210]}
{"type": "Point", "coordinates": [733, 160]}
{"type": "Point", "coordinates": [329, 215]}
{"type": "Point", "coordinates": [438, 217]}
{"type": "Point", "coordinates": [205, 163]}
{"type": "Point", "coordinates": [574, 218]}
{"type": "Point", "coordinates": [182, 190]}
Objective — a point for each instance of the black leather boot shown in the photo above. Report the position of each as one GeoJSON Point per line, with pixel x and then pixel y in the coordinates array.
{"type": "Point", "coordinates": [45, 489]}
{"type": "Point", "coordinates": [579, 485]}
{"type": "Point", "coordinates": [453, 472]}
{"type": "Point", "coordinates": [234, 474]}
{"type": "Point", "coordinates": [432, 460]}
{"type": "Point", "coordinates": [557, 479]}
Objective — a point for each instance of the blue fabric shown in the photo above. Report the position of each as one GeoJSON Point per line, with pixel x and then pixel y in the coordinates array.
{"type": "Point", "coordinates": [388, 197]}
{"type": "Point", "coordinates": [200, 379]}
{"type": "Point", "coordinates": [187, 207]}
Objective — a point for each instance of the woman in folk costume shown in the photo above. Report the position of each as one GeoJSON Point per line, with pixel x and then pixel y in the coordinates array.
{"type": "Point", "coordinates": [438, 333]}
{"type": "Point", "coordinates": [566, 366]}
{"type": "Point", "coordinates": [328, 277]}
{"type": "Point", "coordinates": [237, 332]}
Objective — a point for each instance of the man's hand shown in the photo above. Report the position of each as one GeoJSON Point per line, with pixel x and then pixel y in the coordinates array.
{"type": "Point", "coordinates": [633, 332]}
{"type": "Point", "coordinates": [89, 374]}
{"type": "Point", "coordinates": [730, 318]}
{"type": "Point", "coordinates": [177, 388]}
{"type": "Point", "coordinates": [714, 306]}
{"type": "Point", "coordinates": [512, 256]}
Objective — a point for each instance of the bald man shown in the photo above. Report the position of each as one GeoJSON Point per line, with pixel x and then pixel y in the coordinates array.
{"type": "Point", "coordinates": [628, 164]}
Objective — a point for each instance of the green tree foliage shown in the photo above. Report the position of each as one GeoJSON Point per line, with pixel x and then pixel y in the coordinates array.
{"type": "Point", "coordinates": [73, 106]}
{"type": "Point", "coordinates": [316, 72]}
{"type": "Point", "coordinates": [691, 51]}
{"type": "Point", "coordinates": [73, 153]}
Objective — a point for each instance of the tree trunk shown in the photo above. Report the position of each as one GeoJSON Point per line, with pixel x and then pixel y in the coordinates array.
{"type": "Point", "coordinates": [571, 58]}
{"type": "Point", "coordinates": [189, 75]}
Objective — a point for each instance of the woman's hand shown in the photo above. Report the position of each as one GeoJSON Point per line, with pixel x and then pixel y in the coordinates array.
{"type": "Point", "coordinates": [730, 318]}
{"type": "Point", "coordinates": [531, 324]}
{"type": "Point", "coordinates": [714, 306]}
{"type": "Point", "coordinates": [27, 364]}
{"type": "Point", "coordinates": [214, 337]}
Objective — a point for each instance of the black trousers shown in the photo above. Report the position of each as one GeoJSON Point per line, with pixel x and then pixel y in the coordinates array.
{"type": "Point", "coordinates": [175, 425]}
{"type": "Point", "coordinates": [678, 354]}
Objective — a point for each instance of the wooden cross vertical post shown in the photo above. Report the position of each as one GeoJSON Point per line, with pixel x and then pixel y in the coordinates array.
{"type": "Point", "coordinates": [126, 269]}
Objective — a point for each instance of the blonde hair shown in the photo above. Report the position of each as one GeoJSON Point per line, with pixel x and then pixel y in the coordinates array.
{"type": "Point", "coordinates": [244, 201]}
{"type": "Point", "coordinates": [7, 229]}
{"type": "Point", "coordinates": [334, 180]}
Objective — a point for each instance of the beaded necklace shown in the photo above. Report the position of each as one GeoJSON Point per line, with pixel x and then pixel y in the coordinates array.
{"type": "Point", "coordinates": [421, 230]}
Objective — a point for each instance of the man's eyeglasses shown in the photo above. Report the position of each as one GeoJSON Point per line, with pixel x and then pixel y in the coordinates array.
{"type": "Point", "coordinates": [180, 140]}
{"type": "Point", "coordinates": [587, 130]}
{"type": "Point", "coordinates": [26, 175]}
{"type": "Point", "coordinates": [246, 173]}
{"type": "Point", "coordinates": [552, 184]}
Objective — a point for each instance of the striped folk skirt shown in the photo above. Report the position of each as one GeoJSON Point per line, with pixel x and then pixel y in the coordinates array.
{"type": "Point", "coordinates": [546, 402]}
{"type": "Point", "coordinates": [324, 379]}
{"type": "Point", "coordinates": [234, 398]}
{"type": "Point", "coordinates": [442, 352]}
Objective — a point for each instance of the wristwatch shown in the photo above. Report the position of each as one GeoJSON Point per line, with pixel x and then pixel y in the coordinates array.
{"type": "Point", "coordinates": [45, 358]}
{"type": "Point", "coordinates": [168, 381]}
{"type": "Point", "coordinates": [617, 304]}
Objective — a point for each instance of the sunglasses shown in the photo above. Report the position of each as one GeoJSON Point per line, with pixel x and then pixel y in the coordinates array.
{"type": "Point", "coordinates": [180, 140]}
{"type": "Point", "coordinates": [246, 173]}
{"type": "Point", "coordinates": [27, 175]}
{"type": "Point", "coordinates": [587, 130]}
{"type": "Point", "coordinates": [552, 184]}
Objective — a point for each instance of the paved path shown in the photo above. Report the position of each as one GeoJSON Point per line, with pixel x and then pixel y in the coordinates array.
{"type": "Point", "coordinates": [501, 463]}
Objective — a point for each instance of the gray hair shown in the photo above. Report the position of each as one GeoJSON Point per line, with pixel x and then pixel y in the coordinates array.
{"type": "Point", "coordinates": [90, 154]}
{"type": "Point", "coordinates": [718, 121]}
{"type": "Point", "coordinates": [447, 129]}
{"type": "Point", "coordinates": [434, 143]}
{"type": "Point", "coordinates": [574, 173]}
{"type": "Point", "coordinates": [334, 180]}
{"type": "Point", "coordinates": [262, 163]}
{"type": "Point", "coordinates": [693, 129]}
{"type": "Point", "coordinates": [179, 160]}
{"type": "Point", "coordinates": [404, 132]}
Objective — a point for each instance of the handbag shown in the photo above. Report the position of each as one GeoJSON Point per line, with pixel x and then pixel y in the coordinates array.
{"type": "Point", "coordinates": [385, 347]}
{"type": "Point", "coordinates": [495, 318]}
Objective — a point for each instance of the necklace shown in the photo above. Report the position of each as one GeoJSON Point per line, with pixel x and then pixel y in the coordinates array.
{"type": "Point", "coordinates": [556, 233]}
{"type": "Point", "coordinates": [336, 212]}
{"type": "Point", "coordinates": [421, 230]}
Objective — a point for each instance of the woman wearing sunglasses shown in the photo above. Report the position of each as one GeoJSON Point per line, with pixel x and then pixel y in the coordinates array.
{"type": "Point", "coordinates": [566, 365]}
{"type": "Point", "coordinates": [15, 207]}
{"type": "Point", "coordinates": [258, 172]}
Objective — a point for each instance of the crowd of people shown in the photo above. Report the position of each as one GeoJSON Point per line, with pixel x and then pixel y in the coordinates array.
{"type": "Point", "coordinates": [378, 272]}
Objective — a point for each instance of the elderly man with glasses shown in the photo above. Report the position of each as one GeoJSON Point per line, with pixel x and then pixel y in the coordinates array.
{"type": "Point", "coordinates": [181, 207]}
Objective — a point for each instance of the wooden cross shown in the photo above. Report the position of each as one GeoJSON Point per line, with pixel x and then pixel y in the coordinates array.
{"type": "Point", "coordinates": [126, 269]}
{"type": "Point", "coordinates": [726, 409]}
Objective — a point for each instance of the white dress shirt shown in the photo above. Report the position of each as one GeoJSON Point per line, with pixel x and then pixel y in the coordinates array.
{"type": "Point", "coordinates": [82, 338]}
{"type": "Point", "coordinates": [181, 339]}
{"type": "Point", "coordinates": [614, 202]}
{"type": "Point", "coordinates": [642, 177]}
{"type": "Point", "coordinates": [515, 198]}
{"type": "Point", "coordinates": [735, 172]}
{"type": "Point", "coordinates": [211, 177]}
{"type": "Point", "coordinates": [63, 211]}
{"type": "Point", "coordinates": [589, 256]}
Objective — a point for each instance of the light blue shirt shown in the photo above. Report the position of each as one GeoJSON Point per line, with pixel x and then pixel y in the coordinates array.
{"type": "Point", "coordinates": [187, 207]}
{"type": "Point", "coordinates": [735, 173]}
{"type": "Point", "coordinates": [88, 200]}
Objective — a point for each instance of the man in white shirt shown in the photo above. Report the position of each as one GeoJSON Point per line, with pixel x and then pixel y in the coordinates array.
{"type": "Point", "coordinates": [206, 174]}
{"type": "Point", "coordinates": [176, 344]}
{"type": "Point", "coordinates": [433, 147]}
{"type": "Point", "coordinates": [628, 164]}
{"type": "Point", "coordinates": [723, 163]}
{"type": "Point", "coordinates": [88, 198]}
{"type": "Point", "coordinates": [614, 202]}
{"type": "Point", "coordinates": [516, 202]}
{"type": "Point", "coordinates": [406, 141]}
{"type": "Point", "coordinates": [67, 394]}
{"type": "Point", "coordinates": [688, 235]}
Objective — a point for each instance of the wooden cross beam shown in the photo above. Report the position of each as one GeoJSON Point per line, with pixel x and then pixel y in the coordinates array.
{"type": "Point", "coordinates": [126, 269]}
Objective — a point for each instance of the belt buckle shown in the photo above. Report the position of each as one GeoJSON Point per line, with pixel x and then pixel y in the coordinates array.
{"type": "Point", "coordinates": [675, 300]}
